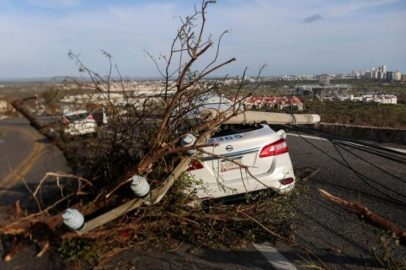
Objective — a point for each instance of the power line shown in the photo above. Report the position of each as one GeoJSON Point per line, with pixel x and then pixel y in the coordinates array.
{"type": "Point", "coordinates": [338, 140]}
{"type": "Point", "coordinates": [370, 163]}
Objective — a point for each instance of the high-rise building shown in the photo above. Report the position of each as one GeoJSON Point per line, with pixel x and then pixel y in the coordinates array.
{"type": "Point", "coordinates": [373, 73]}
{"type": "Point", "coordinates": [324, 79]}
{"type": "Point", "coordinates": [397, 76]}
{"type": "Point", "coordinates": [389, 76]}
{"type": "Point", "coordinates": [367, 74]}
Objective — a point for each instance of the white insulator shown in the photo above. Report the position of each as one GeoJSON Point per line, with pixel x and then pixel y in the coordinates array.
{"type": "Point", "coordinates": [186, 141]}
{"type": "Point", "coordinates": [140, 186]}
{"type": "Point", "coordinates": [281, 133]}
{"type": "Point", "coordinates": [73, 219]}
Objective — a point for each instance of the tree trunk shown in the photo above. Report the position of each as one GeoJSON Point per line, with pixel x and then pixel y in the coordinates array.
{"type": "Point", "coordinates": [34, 122]}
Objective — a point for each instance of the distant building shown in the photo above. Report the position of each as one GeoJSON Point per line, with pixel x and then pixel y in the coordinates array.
{"type": "Point", "coordinates": [373, 73]}
{"type": "Point", "coordinates": [357, 74]}
{"type": "Point", "coordinates": [323, 91]}
{"type": "Point", "coordinates": [393, 76]}
{"type": "Point", "coordinates": [367, 75]}
{"type": "Point", "coordinates": [397, 76]}
{"type": "Point", "coordinates": [389, 76]}
{"type": "Point", "coordinates": [324, 79]}
{"type": "Point", "coordinates": [275, 102]}
{"type": "Point", "coordinates": [381, 99]}
{"type": "Point", "coordinates": [384, 70]}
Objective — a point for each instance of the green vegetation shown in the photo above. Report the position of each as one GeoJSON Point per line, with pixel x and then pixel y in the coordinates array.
{"type": "Point", "coordinates": [348, 112]}
{"type": "Point", "coordinates": [355, 113]}
{"type": "Point", "coordinates": [75, 248]}
{"type": "Point", "coordinates": [385, 252]}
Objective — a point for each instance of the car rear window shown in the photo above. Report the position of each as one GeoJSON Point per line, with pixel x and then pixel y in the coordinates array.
{"type": "Point", "coordinates": [230, 129]}
{"type": "Point", "coordinates": [78, 116]}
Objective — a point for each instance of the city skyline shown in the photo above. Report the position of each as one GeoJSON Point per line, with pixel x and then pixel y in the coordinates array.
{"type": "Point", "coordinates": [290, 37]}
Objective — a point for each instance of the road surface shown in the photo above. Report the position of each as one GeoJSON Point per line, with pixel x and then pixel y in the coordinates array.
{"type": "Point", "coordinates": [354, 175]}
{"type": "Point", "coordinates": [25, 158]}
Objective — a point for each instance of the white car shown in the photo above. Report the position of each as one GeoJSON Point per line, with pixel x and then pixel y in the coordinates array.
{"type": "Point", "coordinates": [253, 157]}
{"type": "Point", "coordinates": [79, 123]}
{"type": "Point", "coordinates": [247, 158]}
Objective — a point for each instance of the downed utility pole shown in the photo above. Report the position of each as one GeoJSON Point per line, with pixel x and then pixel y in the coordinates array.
{"type": "Point", "coordinates": [157, 194]}
{"type": "Point", "coordinates": [252, 117]}
{"type": "Point", "coordinates": [224, 117]}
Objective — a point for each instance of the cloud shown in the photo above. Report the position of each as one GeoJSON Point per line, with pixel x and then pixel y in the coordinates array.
{"type": "Point", "coordinates": [313, 18]}
{"type": "Point", "coordinates": [346, 8]}
{"type": "Point", "coordinates": [38, 40]}
{"type": "Point", "coordinates": [54, 3]}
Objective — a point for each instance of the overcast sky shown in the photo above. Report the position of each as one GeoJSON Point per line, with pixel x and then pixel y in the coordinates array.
{"type": "Point", "coordinates": [289, 36]}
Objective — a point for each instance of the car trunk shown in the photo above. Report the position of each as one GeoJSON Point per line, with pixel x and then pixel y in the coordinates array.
{"type": "Point", "coordinates": [238, 149]}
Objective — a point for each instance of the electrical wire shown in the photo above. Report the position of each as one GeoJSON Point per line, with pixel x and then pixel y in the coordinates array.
{"type": "Point", "coordinates": [370, 163]}
{"type": "Point", "coordinates": [376, 152]}
{"type": "Point", "coordinates": [384, 152]}
{"type": "Point", "coordinates": [361, 176]}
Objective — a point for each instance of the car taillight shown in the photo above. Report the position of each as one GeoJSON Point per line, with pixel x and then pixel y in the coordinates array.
{"type": "Point", "coordinates": [286, 181]}
{"type": "Point", "coordinates": [90, 117]}
{"type": "Point", "coordinates": [274, 149]}
{"type": "Point", "coordinates": [195, 165]}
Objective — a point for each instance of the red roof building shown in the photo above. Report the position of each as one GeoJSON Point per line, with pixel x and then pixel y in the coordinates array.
{"type": "Point", "coordinates": [267, 102]}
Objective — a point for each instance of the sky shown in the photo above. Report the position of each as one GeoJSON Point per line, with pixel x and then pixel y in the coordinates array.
{"type": "Point", "coordinates": [290, 37]}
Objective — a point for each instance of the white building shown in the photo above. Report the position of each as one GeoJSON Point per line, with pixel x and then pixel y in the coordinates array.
{"type": "Point", "coordinates": [324, 79]}
{"type": "Point", "coordinates": [382, 99]}
{"type": "Point", "coordinates": [397, 76]}
{"type": "Point", "coordinates": [384, 70]}
{"type": "Point", "coordinates": [373, 73]}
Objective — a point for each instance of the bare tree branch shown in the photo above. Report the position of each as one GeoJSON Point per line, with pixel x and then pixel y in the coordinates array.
{"type": "Point", "coordinates": [366, 215]}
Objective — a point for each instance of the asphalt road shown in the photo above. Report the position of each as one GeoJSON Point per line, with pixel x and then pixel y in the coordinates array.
{"type": "Point", "coordinates": [25, 158]}
{"type": "Point", "coordinates": [325, 226]}
{"type": "Point", "coordinates": [354, 175]}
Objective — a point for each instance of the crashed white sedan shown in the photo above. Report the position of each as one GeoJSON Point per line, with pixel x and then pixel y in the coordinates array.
{"type": "Point", "coordinates": [79, 123]}
{"type": "Point", "coordinates": [248, 157]}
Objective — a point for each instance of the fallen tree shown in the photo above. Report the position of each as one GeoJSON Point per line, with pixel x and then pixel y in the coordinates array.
{"type": "Point", "coordinates": [146, 143]}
